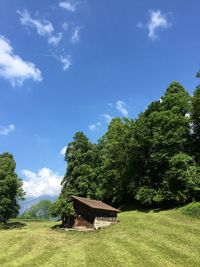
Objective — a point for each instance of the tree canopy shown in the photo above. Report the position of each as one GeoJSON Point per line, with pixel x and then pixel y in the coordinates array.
{"type": "Point", "coordinates": [195, 123]}
{"type": "Point", "coordinates": [64, 209]}
{"type": "Point", "coordinates": [153, 159]}
{"type": "Point", "coordinates": [10, 188]}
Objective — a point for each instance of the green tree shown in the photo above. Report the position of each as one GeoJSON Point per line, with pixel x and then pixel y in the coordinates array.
{"type": "Point", "coordinates": [116, 152]}
{"type": "Point", "coordinates": [10, 188]}
{"type": "Point", "coordinates": [164, 129]}
{"type": "Point", "coordinates": [63, 208]}
{"type": "Point", "coordinates": [141, 163]}
{"type": "Point", "coordinates": [195, 124]}
{"type": "Point", "coordinates": [41, 210]}
{"type": "Point", "coordinates": [181, 183]}
{"type": "Point", "coordinates": [144, 159]}
{"type": "Point", "coordinates": [80, 176]}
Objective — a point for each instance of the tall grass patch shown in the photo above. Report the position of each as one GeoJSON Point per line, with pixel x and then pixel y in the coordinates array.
{"type": "Point", "coordinates": [192, 210]}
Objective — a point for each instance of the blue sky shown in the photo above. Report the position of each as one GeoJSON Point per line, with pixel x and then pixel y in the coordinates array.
{"type": "Point", "coordinates": [68, 66]}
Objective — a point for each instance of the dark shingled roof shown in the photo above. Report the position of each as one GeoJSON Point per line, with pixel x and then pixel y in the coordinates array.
{"type": "Point", "coordinates": [95, 204]}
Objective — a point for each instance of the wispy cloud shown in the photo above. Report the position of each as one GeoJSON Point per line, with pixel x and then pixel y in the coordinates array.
{"type": "Point", "coordinates": [65, 26]}
{"type": "Point", "coordinates": [66, 61]}
{"type": "Point", "coordinates": [63, 150]}
{"type": "Point", "coordinates": [55, 39]}
{"type": "Point", "coordinates": [44, 182]}
{"type": "Point", "coordinates": [94, 126]}
{"type": "Point", "coordinates": [107, 117]}
{"type": "Point", "coordinates": [43, 27]}
{"type": "Point", "coordinates": [121, 107]}
{"type": "Point", "coordinates": [5, 130]}
{"type": "Point", "coordinates": [156, 20]}
{"type": "Point", "coordinates": [75, 35]}
{"type": "Point", "coordinates": [68, 5]}
{"type": "Point", "coordinates": [13, 68]}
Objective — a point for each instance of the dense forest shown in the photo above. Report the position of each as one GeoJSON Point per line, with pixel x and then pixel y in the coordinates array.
{"type": "Point", "coordinates": [153, 159]}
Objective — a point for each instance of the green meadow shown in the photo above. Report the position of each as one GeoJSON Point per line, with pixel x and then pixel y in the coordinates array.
{"type": "Point", "coordinates": [166, 238]}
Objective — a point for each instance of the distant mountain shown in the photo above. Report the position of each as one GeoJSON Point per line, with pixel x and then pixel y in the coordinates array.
{"type": "Point", "coordinates": [30, 201]}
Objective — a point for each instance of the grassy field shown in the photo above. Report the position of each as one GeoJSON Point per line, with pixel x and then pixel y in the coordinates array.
{"type": "Point", "coordinates": [140, 239]}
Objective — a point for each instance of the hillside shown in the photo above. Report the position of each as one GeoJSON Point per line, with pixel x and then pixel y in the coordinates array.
{"type": "Point", "coordinates": [140, 239]}
{"type": "Point", "coordinates": [30, 201]}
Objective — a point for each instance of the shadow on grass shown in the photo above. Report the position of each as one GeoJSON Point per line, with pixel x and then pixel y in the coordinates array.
{"type": "Point", "coordinates": [136, 206]}
{"type": "Point", "coordinates": [12, 225]}
{"type": "Point", "coordinates": [57, 226]}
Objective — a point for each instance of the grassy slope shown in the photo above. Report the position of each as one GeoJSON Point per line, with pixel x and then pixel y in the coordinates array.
{"type": "Point", "coordinates": [140, 239]}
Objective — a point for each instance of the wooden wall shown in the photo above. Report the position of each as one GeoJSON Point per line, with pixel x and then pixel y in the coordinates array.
{"type": "Point", "coordinates": [88, 215]}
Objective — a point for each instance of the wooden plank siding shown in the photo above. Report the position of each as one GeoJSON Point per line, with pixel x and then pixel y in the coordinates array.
{"type": "Point", "coordinates": [87, 216]}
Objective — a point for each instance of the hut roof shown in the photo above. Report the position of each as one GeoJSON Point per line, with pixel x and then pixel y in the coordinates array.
{"type": "Point", "coordinates": [95, 204]}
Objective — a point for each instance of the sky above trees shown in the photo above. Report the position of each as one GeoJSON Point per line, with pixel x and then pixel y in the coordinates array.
{"type": "Point", "coordinates": [68, 66]}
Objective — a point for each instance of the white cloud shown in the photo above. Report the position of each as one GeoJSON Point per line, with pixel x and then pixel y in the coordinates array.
{"type": "Point", "coordinates": [45, 182]}
{"type": "Point", "coordinates": [121, 107]}
{"type": "Point", "coordinates": [43, 27]}
{"type": "Point", "coordinates": [63, 150]}
{"type": "Point", "coordinates": [65, 26]}
{"type": "Point", "coordinates": [68, 5]}
{"type": "Point", "coordinates": [5, 130]}
{"type": "Point", "coordinates": [94, 126]}
{"type": "Point", "coordinates": [66, 62]}
{"type": "Point", "coordinates": [75, 35]}
{"type": "Point", "coordinates": [157, 20]}
{"type": "Point", "coordinates": [107, 117]}
{"type": "Point", "coordinates": [55, 39]}
{"type": "Point", "coordinates": [14, 68]}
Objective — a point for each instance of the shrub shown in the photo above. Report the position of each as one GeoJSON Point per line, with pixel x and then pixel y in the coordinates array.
{"type": "Point", "coordinates": [192, 210]}
{"type": "Point", "coordinates": [64, 208]}
{"type": "Point", "coordinates": [145, 195]}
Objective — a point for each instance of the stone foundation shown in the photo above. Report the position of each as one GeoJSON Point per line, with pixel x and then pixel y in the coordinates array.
{"type": "Point", "coordinates": [98, 223]}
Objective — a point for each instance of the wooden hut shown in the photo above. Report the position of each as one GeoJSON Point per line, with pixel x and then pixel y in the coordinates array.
{"type": "Point", "coordinates": [92, 213]}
